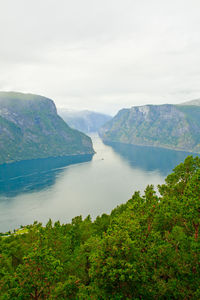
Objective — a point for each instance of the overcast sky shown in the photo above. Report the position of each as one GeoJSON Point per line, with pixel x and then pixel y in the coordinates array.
{"type": "Point", "coordinates": [101, 55]}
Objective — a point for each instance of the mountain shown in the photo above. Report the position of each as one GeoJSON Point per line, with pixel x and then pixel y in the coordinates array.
{"type": "Point", "coordinates": [86, 121]}
{"type": "Point", "coordinates": [31, 128]}
{"type": "Point", "coordinates": [168, 126]}
{"type": "Point", "coordinates": [195, 102]}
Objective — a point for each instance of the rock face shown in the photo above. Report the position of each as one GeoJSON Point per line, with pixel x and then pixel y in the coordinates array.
{"type": "Point", "coordinates": [30, 128]}
{"type": "Point", "coordinates": [86, 121]}
{"type": "Point", "coordinates": [169, 126]}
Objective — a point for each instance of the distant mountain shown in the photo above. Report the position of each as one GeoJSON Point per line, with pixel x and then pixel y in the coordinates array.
{"type": "Point", "coordinates": [86, 121]}
{"type": "Point", "coordinates": [30, 128]}
{"type": "Point", "coordinates": [168, 126]}
{"type": "Point", "coordinates": [195, 102]}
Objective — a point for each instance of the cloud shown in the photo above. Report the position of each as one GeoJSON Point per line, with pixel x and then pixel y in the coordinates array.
{"type": "Point", "coordinates": [101, 55]}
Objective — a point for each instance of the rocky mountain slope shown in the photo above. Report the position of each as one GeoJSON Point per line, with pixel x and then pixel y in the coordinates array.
{"type": "Point", "coordinates": [169, 126]}
{"type": "Point", "coordinates": [192, 102]}
{"type": "Point", "coordinates": [86, 121]}
{"type": "Point", "coordinates": [31, 128]}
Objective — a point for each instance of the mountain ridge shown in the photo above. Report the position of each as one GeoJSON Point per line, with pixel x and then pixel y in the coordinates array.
{"type": "Point", "coordinates": [84, 120]}
{"type": "Point", "coordinates": [195, 102]}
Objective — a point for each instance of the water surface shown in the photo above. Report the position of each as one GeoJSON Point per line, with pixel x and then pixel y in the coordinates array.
{"type": "Point", "coordinates": [62, 188]}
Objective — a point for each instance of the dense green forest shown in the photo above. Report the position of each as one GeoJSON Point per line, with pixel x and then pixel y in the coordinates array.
{"type": "Point", "coordinates": [148, 248]}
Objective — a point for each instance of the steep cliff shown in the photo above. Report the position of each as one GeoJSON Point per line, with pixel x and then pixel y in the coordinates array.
{"type": "Point", "coordinates": [30, 128]}
{"type": "Point", "coordinates": [169, 126]}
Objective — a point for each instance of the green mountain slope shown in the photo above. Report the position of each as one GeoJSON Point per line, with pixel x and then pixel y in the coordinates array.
{"type": "Point", "coordinates": [86, 121]}
{"type": "Point", "coordinates": [30, 128]}
{"type": "Point", "coordinates": [169, 126]}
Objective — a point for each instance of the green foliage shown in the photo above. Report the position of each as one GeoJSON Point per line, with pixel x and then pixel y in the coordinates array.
{"type": "Point", "coordinates": [147, 248]}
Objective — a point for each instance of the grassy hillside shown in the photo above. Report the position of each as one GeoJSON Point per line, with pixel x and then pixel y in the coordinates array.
{"type": "Point", "coordinates": [30, 128]}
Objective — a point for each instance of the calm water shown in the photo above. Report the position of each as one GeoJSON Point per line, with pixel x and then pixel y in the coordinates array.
{"type": "Point", "coordinates": [62, 188]}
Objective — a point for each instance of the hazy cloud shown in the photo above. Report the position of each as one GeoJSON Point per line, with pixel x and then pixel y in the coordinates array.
{"type": "Point", "coordinates": [101, 55]}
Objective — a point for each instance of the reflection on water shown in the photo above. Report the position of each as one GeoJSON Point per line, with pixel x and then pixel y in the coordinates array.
{"type": "Point", "coordinates": [54, 188]}
{"type": "Point", "coordinates": [34, 175]}
{"type": "Point", "coordinates": [150, 158]}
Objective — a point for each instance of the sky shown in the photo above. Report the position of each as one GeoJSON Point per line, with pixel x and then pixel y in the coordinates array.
{"type": "Point", "coordinates": [101, 55]}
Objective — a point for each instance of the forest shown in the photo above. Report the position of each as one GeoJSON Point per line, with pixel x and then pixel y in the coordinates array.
{"type": "Point", "coordinates": [147, 248]}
